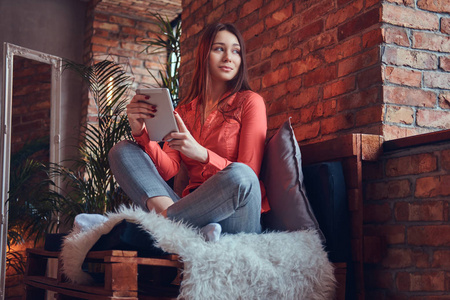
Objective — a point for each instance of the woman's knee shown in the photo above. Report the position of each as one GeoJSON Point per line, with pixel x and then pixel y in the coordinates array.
{"type": "Point", "coordinates": [242, 175]}
{"type": "Point", "coordinates": [119, 155]}
{"type": "Point", "coordinates": [120, 148]}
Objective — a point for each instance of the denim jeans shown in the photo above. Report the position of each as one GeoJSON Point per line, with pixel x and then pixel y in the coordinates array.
{"type": "Point", "coordinates": [232, 197]}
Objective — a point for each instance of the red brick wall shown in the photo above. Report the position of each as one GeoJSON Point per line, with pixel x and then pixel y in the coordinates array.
{"type": "Point", "coordinates": [407, 206]}
{"type": "Point", "coordinates": [416, 66]}
{"type": "Point", "coordinates": [119, 38]}
{"type": "Point", "coordinates": [112, 35]}
{"type": "Point", "coordinates": [317, 61]}
{"type": "Point", "coordinates": [342, 66]}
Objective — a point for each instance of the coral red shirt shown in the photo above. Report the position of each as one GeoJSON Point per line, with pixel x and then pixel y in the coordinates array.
{"type": "Point", "coordinates": [226, 141]}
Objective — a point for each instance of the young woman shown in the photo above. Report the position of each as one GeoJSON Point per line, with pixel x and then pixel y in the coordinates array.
{"type": "Point", "coordinates": [222, 129]}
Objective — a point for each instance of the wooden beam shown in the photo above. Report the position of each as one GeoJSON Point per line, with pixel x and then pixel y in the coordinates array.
{"type": "Point", "coordinates": [417, 140]}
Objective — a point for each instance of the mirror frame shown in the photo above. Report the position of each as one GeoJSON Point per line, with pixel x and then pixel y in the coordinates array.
{"type": "Point", "coordinates": [9, 51]}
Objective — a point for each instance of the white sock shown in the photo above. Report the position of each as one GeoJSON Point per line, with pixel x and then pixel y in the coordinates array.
{"type": "Point", "coordinates": [211, 232]}
{"type": "Point", "coordinates": [85, 222]}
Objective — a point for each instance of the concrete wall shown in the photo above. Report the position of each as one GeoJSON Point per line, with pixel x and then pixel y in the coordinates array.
{"type": "Point", "coordinates": [55, 27]}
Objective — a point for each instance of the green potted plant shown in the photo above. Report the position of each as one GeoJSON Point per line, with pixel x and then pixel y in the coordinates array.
{"type": "Point", "coordinates": [88, 185]}
{"type": "Point", "coordinates": [89, 182]}
{"type": "Point", "coordinates": [33, 201]}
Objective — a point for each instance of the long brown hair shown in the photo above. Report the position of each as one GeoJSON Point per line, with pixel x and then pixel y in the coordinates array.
{"type": "Point", "coordinates": [199, 87]}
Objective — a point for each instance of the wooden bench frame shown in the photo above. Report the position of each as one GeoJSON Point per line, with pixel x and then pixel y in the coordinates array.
{"type": "Point", "coordinates": [351, 150]}
{"type": "Point", "coordinates": [121, 280]}
{"type": "Point", "coordinates": [120, 276]}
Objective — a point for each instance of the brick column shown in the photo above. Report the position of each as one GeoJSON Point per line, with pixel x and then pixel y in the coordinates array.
{"type": "Point", "coordinates": [416, 55]}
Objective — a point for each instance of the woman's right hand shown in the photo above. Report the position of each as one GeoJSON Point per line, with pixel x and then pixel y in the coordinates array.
{"type": "Point", "coordinates": [139, 109]}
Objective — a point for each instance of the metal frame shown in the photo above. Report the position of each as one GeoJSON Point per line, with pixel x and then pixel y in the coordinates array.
{"type": "Point", "coordinates": [9, 51]}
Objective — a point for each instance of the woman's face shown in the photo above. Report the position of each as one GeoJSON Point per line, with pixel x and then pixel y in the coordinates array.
{"type": "Point", "coordinates": [224, 57]}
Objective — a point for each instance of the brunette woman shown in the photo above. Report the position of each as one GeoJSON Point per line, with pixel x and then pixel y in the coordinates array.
{"type": "Point", "coordinates": [222, 129]}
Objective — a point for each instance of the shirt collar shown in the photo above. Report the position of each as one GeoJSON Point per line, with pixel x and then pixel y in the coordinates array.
{"type": "Point", "coordinates": [193, 104]}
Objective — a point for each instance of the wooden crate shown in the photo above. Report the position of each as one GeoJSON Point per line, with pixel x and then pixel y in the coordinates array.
{"type": "Point", "coordinates": [118, 272]}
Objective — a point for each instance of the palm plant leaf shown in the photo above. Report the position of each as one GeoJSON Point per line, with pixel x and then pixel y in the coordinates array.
{"type": "Point", "coordinates": [33, 199]}
{"type": "Point", "coordinates": [91, 182]}
{"type": "Point", "coordinates": [16, 261]}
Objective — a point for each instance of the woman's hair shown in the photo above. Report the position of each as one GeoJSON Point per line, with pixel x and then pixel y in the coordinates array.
{"type": "Point", "coordinates": [201, 79]}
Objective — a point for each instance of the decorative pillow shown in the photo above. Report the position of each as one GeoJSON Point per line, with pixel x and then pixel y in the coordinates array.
{"type": "Point", "coordinates": [281, 173]}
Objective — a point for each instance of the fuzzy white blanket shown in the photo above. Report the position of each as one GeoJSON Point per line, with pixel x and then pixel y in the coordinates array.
{"type": "Point", "coordinates": [281, 265]}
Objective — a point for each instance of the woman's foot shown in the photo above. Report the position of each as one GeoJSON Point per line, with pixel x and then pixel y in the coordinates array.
{"type": "Point", "coordinates": [84, 222]}
{"type": "Point", "coordinates": [211, 232]}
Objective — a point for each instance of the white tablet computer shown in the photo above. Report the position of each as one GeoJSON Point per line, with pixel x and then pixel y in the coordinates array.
{"type": "Point", "coordinates": [164, 121]}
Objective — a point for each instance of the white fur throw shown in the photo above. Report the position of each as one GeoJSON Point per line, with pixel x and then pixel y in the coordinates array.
{"type": "Point", "coordinates": [281, 265]}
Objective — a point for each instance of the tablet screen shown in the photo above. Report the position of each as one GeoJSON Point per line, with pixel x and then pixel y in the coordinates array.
{"type": "Point", "coordinates": [164, 121]}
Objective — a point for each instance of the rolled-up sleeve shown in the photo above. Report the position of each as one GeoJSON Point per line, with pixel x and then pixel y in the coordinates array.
{"type": "Point", "coordinates": [167, 161]}
{"type": "Point", "coordinates": [253, 133]}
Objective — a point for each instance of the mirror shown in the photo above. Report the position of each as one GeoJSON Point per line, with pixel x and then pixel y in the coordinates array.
{"type": "Point", "coordinates": [30, 108]}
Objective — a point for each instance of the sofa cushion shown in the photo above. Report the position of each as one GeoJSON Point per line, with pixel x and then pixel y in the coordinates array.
{"type": "Point", "coordinates": [281, 173]}
{"type": "Point", "coordinates": [326, 190]}
{"type": "Point", "coordinates": [128, 236]}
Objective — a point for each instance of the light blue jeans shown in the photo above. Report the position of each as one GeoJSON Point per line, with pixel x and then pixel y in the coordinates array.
{"type": "Point", "coordinates": [232, 197]}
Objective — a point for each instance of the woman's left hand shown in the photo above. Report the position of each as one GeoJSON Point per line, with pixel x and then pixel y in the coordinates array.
{"type": "Point", "coordinates": [184, 142]}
